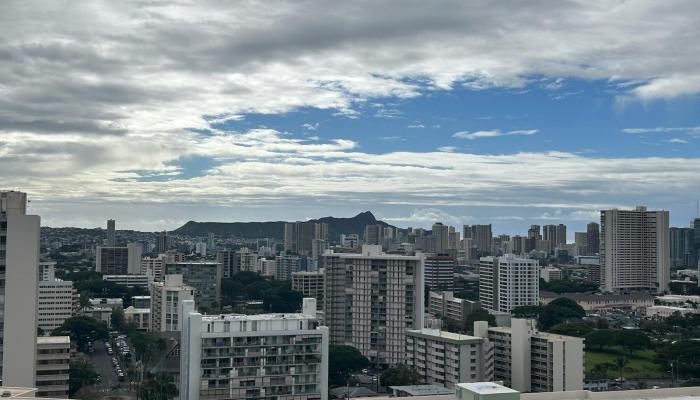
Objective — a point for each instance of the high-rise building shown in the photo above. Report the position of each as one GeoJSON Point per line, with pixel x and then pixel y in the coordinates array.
{"type": "Point", "coordinates": [507, 282]}
{"type": "Point", "coordinates": [47, 271]}
{"type": "Point", "coordinates": [153, 267]}
{"type": "Point", "coordinates": [351, 241]}
{"type": "Point", "coordinates": [445, 359]}
{"type": "Point", "coordinates": [682, 243]}
{"type": "Point", "coordinates": [439, 273]}
{"type": "Point", "coordinates": [549, 234]}
{"type": "Point", "coordinates": [310, 284]}
{"type": "Point", "coordinates": [481, 237]}
{"type": "Point", "coordinates": [534, 232]}
{"type": "Point", "coordinates": [204, 277]}
{"type": "Point", "coordinates": [110, 233]}
{"type": "Point", "coordinates": [19, 268]}
{"type": "Point", "coordinates": [374, 234]}
{"type": "Point", "coordinates": [162, 242]}
{"type": "Point", "coordinates": [593, 238]}
{"type": "Point", "coordinates": [55, 304]}
{"type": "Point", "coordinates": [248, 260]}
{"type": "Point", "coordinates": [165, 303]}
{"type": "Point", "coordinates": [634, 250]}
{"type": "Point", "coordinates": [371, 300]}
{"type": "Point", "coordinates": [448, 307]}
{"type": "Point", "coordinates": [299, 236]}
{"type": "Point", "coordinates": [531, 361]}
{"type": "Point", "coordinates": [581, 242]}
{"type": "Point", "coordinates": [266, 356]}
{"type": "Point", "coordinates": [52, 366]}
{"type": "Point", "coordinates": [230, 261]}
{"type": "Point", "coordinates": [285, 266]}
{"type": "Point", "coordinates": [561, 235]}
{"type": "Point", "coordinates": [441, 233]}
{"type": "Point", "coordinates": [119, 260]}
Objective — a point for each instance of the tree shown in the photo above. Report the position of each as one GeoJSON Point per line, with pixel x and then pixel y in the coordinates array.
{"type": "Point", "coordinates": [83, 330]}
{"type": "Point", "coordinates": [400, 375]}
{"type": "Point", "coordinates": [344, 360]}
{"type": "Point", "coordinates": [600, 338]}
{"type": "Point", "coordinates": [81, 373]}
{"type": "Point", "coordinates": [148, 346]}
{"type": "Point", "coordinates": [558, 311]}
{"type": "Point", "coordinates": [527, 311]}
{"type": "Point", "coordinates": [118, 320]}
{"type": "Point", "coordinates": [571, 329]}
{"type": "Point", "coordinates": [632, 339]}
{"type": "Point", "coordinates": [158, 387]}
{"type": "Point", "coordinates": [478, 315]}
{"type": "Point", "coordinates": [567, 286]}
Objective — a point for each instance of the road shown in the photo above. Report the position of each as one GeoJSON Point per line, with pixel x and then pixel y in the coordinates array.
{"type": "Point", "coordinates": [102, 361]}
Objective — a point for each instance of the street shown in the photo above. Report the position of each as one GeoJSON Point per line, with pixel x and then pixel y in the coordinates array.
{"type": "Point", "coordinates": [109, 385]}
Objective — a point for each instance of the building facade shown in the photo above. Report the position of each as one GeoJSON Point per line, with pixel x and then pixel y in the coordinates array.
{"type": "Point", "coordinates": [56, 303]}
{"type": "Point", "coordinates": [634, 250]}
{"type": "Point", "coordinates": [230, 262]}
{"type": "Point", "coordinates": [439, 273]}
{"type": "Point", "coordinates": [265, 356]}
{"type": "Point", "coordinates": [445, 359]}
{"type": "Point", "coordinates": [119, 260]}
{"type": "Point", "coordinates": [507, 282]}
{"type": "Point", "coordinates": [52, 366]}
{"type": "Point", "coordinates": [165, 303]}
{"type": "Point", "coordinates": [310, 284]}
{"type": "Point", "coordinates": [204, 277]}
{"type": "Point", "coordinates": [19, 269]}
{"type": "Point", "coordinates": [446, 306]}
{"type": "Point", "coordinates": [531, 361]}
{"type": "Point", "coordinates": [142, 281]}
{"type": "Point", "coordinates": [371, 300]}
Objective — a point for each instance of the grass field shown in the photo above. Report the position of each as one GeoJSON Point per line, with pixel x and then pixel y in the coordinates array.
{"type": "Point", "coordinates": [642, 364]}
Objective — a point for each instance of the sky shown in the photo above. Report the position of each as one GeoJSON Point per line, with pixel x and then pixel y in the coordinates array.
{"type": "Point", "coordinates": [158, 112]}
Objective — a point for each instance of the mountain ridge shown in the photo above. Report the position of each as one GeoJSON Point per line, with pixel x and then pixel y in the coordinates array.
{"type": "Point", "coordinates": [275, 229]}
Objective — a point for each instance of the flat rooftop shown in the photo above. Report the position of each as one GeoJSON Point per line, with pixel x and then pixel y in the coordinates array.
{"type": "Point", "coordinates": [257, 317]}
{"type": "Point", "coordinates": [423, 390]}
{"type": "Point", "coordinates": [486, 388]}
{"type": "Point", "coordinates": [440, 334]}
{"type": "Point", "coordinates": [53, 340]}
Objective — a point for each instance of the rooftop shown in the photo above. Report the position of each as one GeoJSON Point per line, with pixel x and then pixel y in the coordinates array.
{"type": "Point", "coordinates": [257, 317]}
{"type": "Point", "coordinates": [422, 390]}
{"type": "Point", "coordinates": [53, 340]}
{"type": "Point", "coordinates": [437, 333]}
{"type": "Point", "coordinates": [486, 388]}
{"type": "Point", "coordinates": [598, 297]}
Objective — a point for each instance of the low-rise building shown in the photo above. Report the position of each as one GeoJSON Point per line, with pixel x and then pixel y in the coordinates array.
{"type": "Point", "coordinates": [591, 302]}
{"type": "Point", "coordinates": [549, 274]}
{"type": "Point", "coordinates": [140, 317]}
{"type": "Point", "coordinates": [445, 359]}
{"type": "Point", "coordinates": [668, 311]}
{"type": "Point", "coordinates": [141, 301]}
{"type": "Point", "coordinates": [266, 356]}
{"type": "Point", "coordinates": [52, 366]}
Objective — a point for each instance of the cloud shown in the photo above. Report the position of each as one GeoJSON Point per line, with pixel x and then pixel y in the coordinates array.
{"type": "Point", "coordinates": [424, 216]}
{"type": "Point", "coordinates": [416, 126]}
{"type": "Point", "coordinates": [492, 133]}
{"type": "Point", "coordinates": [676, 140]}
{"type": "Point", "coordinates": [392, 138]}
{"type": "Point", "coordinates": [310, 127]}
{"type": "Point", "coordinates": [663, 129]}
{"type": "Point", "coordinates": [447, 149]}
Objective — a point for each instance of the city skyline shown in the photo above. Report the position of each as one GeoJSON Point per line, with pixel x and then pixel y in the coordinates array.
{"type": "Point", "coordinates": [162, 113]}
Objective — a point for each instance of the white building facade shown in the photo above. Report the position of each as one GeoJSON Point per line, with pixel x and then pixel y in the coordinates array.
{"type": "Point", "coordinates": [165, 303]}
{"type": "Point", "coordinates": [445, 359]}
{"type": "Point", "coordinates": [266, 356]}
{"type": "Point", "coordinates": [507, 282]}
